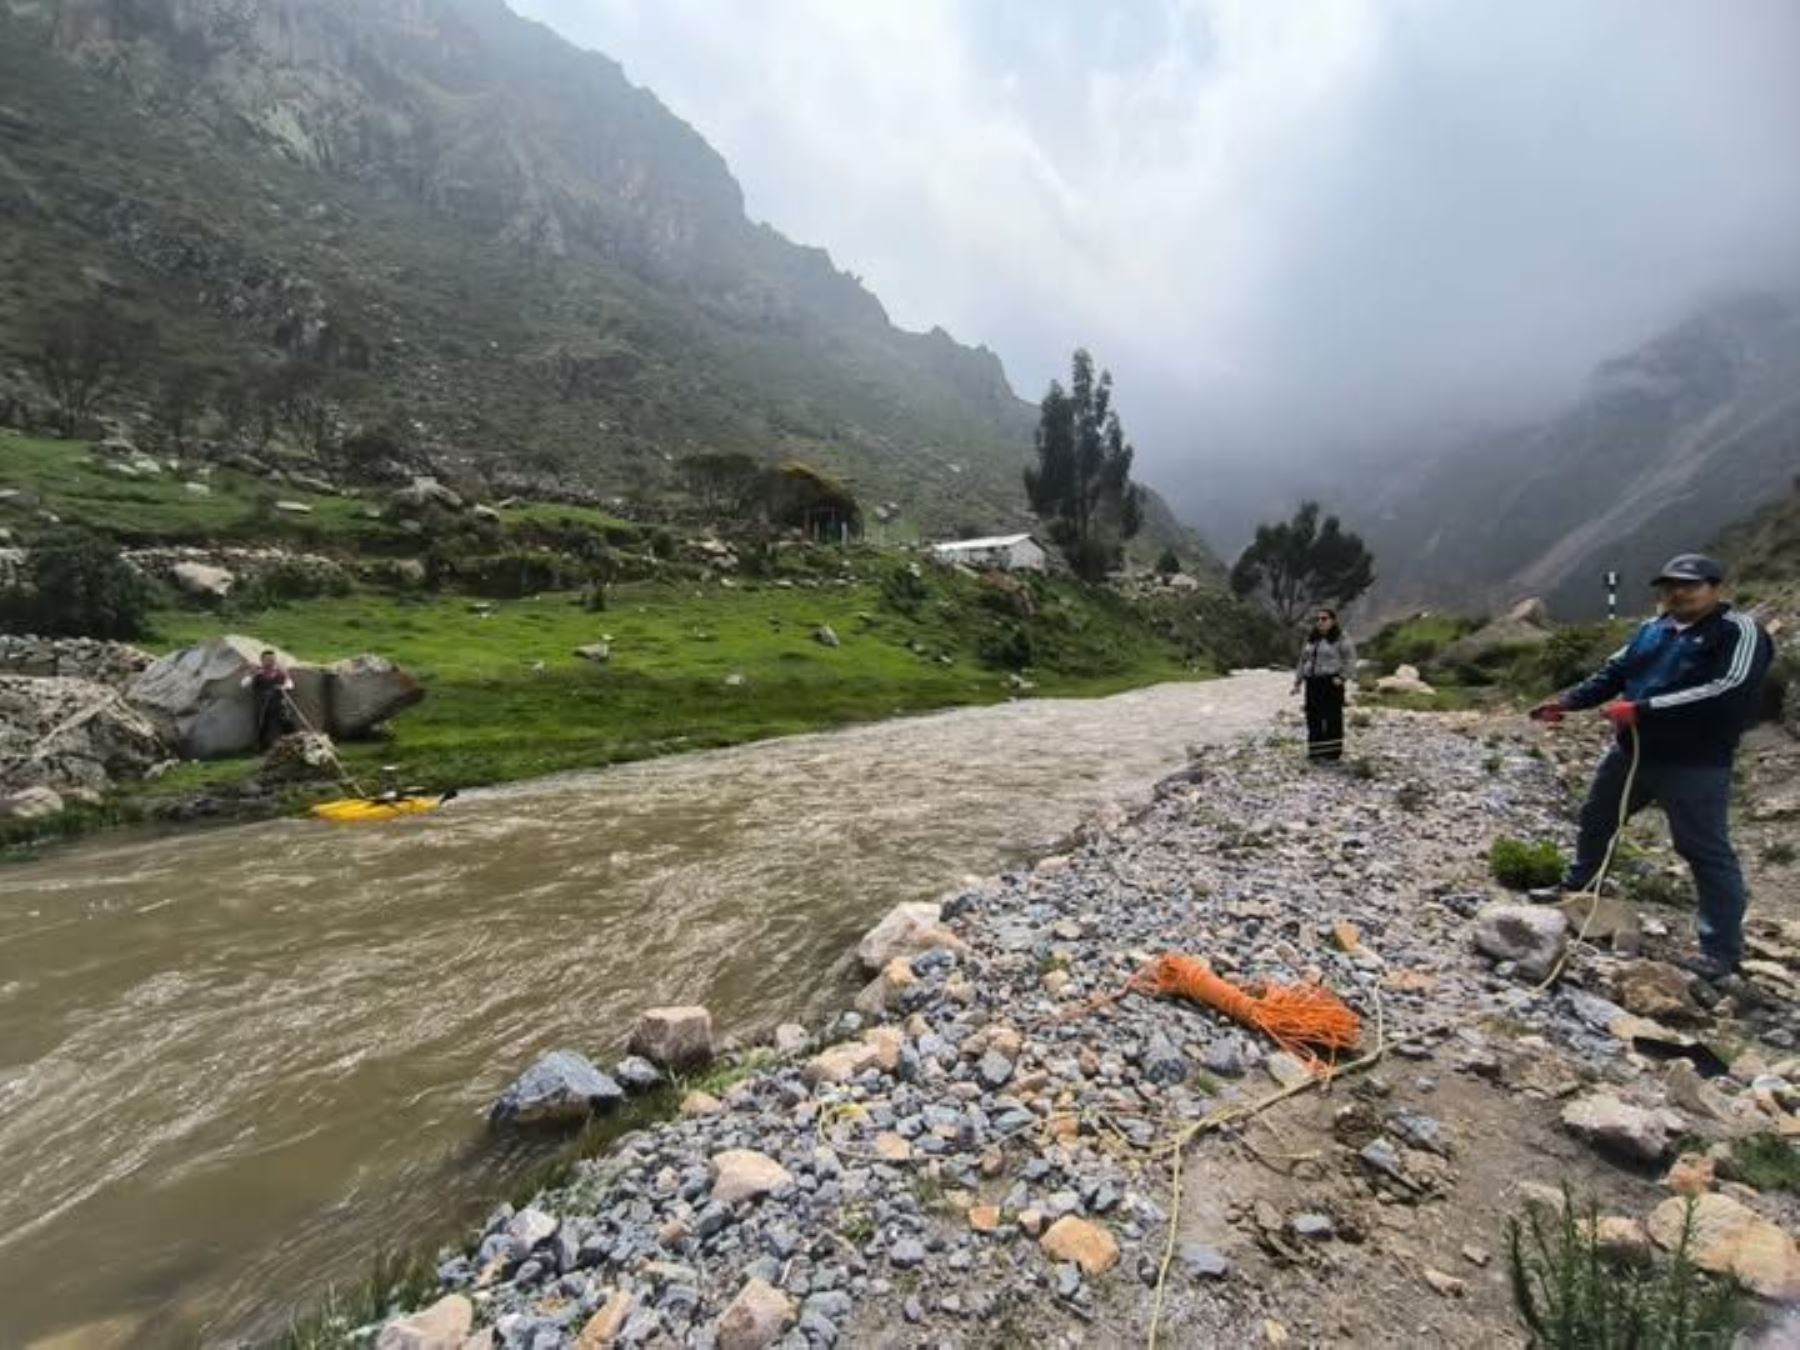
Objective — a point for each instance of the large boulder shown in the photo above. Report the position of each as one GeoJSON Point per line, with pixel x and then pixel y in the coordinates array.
{"type": "Point", "coordinates": [362, 691]}
{"type": "Point", "coordinates": [65, 733]}
{"type": "Point", "coordinates": [562, 1086]}
{"type": "Point", "coordinates": [197, 695]}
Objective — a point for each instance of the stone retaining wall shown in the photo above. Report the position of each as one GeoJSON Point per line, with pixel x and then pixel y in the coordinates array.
{"type": "Point", "coordinates": [115, 664]}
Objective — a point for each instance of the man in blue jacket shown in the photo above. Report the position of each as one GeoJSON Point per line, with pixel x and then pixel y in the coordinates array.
{"type": "Point", "coordinates": [1688, 683]}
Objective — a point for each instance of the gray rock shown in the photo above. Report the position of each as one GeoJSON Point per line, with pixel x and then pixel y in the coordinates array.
{"type": "Point", "coordinates": [1532, 938]}
{"type": "Point", "coordinates": [1163, 1063]}
{"type": "Point", "coordinates": [637, 1074]}
{"type": "Point", "coordinates": [676, 1038]}
{"type": "Point", "coordinates": [527, 1229]}
{"type": "Point", "coordinates": [1227, 1057]}
{"type": "Point", "coordinates": [995, 1069]}
{"type": "Point", "coordinates": [1420, 1131]}
{"type": "Point", "coordinates": [561, 1086]}
{"type": "Point", "coordinates": [907, 1253]}
{"type": "Point", "coordinates": [1202, 1262]}
{"type": "Point", "coordinates": [1318, 1227]}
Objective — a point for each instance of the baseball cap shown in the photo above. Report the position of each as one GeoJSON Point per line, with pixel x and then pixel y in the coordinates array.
{"type": "Point", "coordinates": [1690, 567]}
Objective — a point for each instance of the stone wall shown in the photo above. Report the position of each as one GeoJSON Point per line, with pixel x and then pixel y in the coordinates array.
{"type": "Point", "coordinates": [115, 664]}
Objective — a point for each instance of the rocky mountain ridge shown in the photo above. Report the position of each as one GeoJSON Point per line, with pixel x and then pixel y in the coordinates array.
{"type": "Point", "coordinates": [487, 239]}
{"type": "Point", "coordinates": [1667, 446]}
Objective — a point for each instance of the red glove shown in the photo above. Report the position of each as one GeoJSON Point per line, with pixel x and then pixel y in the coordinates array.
{"type": "Point", "coordinates": [1551, 711]}
{"type": "Point", "coordinates": [1622, 713]}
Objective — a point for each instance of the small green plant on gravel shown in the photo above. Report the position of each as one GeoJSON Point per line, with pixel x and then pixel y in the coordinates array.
{"type": "Point", "coordinates": [1522, 866]}
{"type": "Point", "coordinates": [1361, 767]}
{"type": "Point", "coordinates": [1492, 764]}
{"type": "Point", "coordinates": [1767, 1162]}
{"type": "Point", "coordinates": [1412, 796]}
{"type": "Point", "coordinates": [724, 1077]}
{"type": "Point", "coordinates": [1572, 1295]}
{"type": "Point", "coordinates": [856, 1225]}
{"type": "Point", "coordinates": [395, 1284]}
{"type": "Point", "coordinates": [1780, 853]}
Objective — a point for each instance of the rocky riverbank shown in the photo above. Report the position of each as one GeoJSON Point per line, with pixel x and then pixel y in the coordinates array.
{"type": "Point", "coordinates": [984, 1153]}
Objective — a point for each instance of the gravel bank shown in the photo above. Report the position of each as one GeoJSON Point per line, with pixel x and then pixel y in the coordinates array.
{"type": "Point", "coordinates": [985, 1161]}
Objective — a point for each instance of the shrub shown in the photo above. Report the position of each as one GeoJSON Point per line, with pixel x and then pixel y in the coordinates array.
{"type": "Point", "coordinates": [1523, 866]}
{"type": "Point", "coordinates": [1010, 650]}
{"type": "Point", "coordinates": [77, 586]}
{"type": "Point", "coordinates": [1766, 1161]}
{"type": "Point", "coordinates": [1573, 1295]}
{"type": "Point", "coordinates": [904, 589]}
{"type": "Point", "coordinates": [1573, 653]}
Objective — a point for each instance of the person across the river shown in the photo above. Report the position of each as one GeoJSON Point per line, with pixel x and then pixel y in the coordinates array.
{"type": "Point", "coordinates": [1326, 666]}
{"type": "Point", "coordinates": [270, 687]}
{"type": "Point", "coordinates": [1686, 685]}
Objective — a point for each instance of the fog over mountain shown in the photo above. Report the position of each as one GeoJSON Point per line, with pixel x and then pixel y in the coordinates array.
{"type": "Point", "coordinates": [1296, 233]}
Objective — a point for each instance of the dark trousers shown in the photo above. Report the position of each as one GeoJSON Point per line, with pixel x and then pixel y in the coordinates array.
{"type": "Point", "coordinates": [272, 722]}
{"type": "Point", "coordinates": [1324, 717]}
{"type": "Point", "coordinates": [1697, 800]}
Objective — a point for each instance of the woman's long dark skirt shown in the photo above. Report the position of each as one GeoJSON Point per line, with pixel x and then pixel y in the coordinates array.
{"type": "Point", "coordinates": [1324, 717]}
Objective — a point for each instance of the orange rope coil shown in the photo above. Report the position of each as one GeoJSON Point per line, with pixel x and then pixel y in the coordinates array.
{"type": "Point", "coordinates": [1301, 1018]}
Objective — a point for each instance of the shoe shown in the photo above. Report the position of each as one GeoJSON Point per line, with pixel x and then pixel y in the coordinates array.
{"type": "Point", "coordinates": [1709, 968]}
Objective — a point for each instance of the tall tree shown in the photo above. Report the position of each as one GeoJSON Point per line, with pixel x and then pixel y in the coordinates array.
{"type": "Point", "coordinates": [1081, 484]}
{"type": "Point", "coordinates": [1296, 564]}
{"type": "Point", "coordinates": [80, 360]}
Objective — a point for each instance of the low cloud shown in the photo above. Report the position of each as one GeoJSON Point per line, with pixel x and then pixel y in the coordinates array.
{"type": "Point", "coordinates": [1289, 229]}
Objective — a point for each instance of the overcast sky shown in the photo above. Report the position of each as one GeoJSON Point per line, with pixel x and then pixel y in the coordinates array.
{"type": "Point", "coordinates": [1301, 223]}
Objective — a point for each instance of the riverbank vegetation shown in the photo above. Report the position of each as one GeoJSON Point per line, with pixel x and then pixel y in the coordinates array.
{"type": "Point", "coordinates": [554, 635]}
{"type": "Point", "coordinates": [695, 666]}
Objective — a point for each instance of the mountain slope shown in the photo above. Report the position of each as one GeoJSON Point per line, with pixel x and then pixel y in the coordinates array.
{"type": "Point", "coordinates": [1666, 447]}
{"type": "Point", "coordinates": [487, 237]}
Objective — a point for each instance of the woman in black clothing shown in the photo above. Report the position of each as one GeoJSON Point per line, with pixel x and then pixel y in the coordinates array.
{"type": "Point", "coordinates": [1327, 663]}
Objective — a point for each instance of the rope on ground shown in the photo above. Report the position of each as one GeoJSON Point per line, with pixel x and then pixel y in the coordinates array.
{"type": "Point", "coordinates": [1218, 1120]}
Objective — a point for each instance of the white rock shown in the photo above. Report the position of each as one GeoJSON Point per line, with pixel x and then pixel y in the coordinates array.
{"type": "Point", "coordinates": [442, 1326]}
{"type": "Point", "coordinates": [754, 1319]}
{"type": "Point", "coordinates": [1631, 1131]}
{"type": "Point", "coordinates": [744, 1174]}
{"type": "Point", "coordinates": [32, 803]}
{"type": "Point", "coordinates": [198, 579]}
{"type": "Point", "coordinates": [908, 930]}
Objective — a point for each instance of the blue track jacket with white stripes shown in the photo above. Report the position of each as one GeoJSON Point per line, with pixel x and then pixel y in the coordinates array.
{"type": "Point", "coordinates": [1696, 687]}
